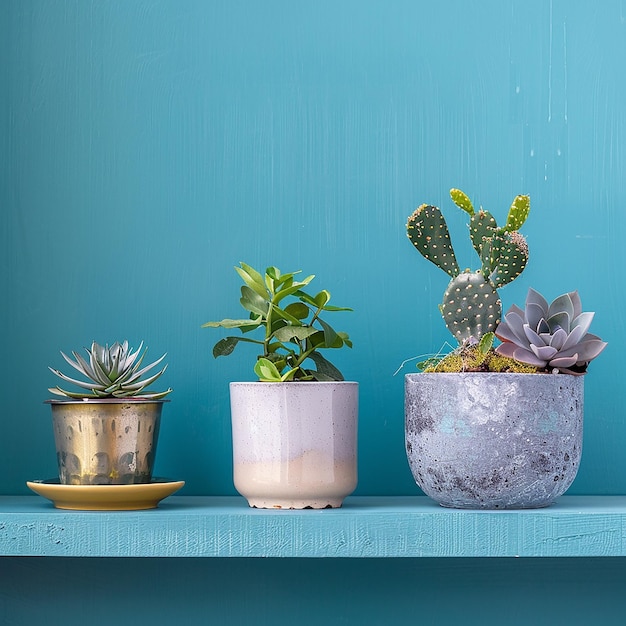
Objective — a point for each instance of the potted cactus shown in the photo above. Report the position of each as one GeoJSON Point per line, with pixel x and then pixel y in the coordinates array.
{"type": "Point", "coordinates": [106, 433]}
{"type": "Point", "coordinates": [496, 426]}
{"type": "Point", "coordinates": [294, 429]}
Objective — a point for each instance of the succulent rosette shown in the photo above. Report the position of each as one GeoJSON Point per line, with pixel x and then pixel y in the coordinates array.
{"type": "Point", "coordinates": [551, 336]}
{"type": "Point", "coordinates": [111, 372]}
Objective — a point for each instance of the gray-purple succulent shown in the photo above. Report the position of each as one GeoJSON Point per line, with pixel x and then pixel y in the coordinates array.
{"type": "Point", "coordinates": [552, 336]}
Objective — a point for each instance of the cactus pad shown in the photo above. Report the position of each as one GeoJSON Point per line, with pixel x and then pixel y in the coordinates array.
{"type": "Point", "coordinates": [462, 201]}
{"type": "Point", "coordinates": [482, 226]}
{"type": "Point", "coordinates": [490, 253]}
{"type": "Point", "coordinates": [428, 232]}
{"type": "Point", "coordinates": [517, 213]}
{"type": "Point", "coordinates": [471, 307]}
{"type": "Point", "coordinates": [512, 259]}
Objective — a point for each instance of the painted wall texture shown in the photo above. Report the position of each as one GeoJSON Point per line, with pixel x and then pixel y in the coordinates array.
{"type": "Point", "coordinates": [149, 146]}
{"type": "Point", "coordinates": [364, 592]}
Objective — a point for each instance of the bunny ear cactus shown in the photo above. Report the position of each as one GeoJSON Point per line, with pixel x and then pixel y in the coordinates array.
{"type": "Point", "coordinates": [471, 306]}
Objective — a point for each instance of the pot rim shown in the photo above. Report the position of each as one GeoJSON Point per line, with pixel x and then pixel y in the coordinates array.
{"type": "Point", "coordinates": [134, 400]}
{"type": "Point", "coordinates": [295, 382]}
{"type": "Point", "coordinates": [508, 374]}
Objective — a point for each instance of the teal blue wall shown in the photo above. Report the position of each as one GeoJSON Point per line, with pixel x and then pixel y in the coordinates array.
{"type": "Point", "coordinates": [310, 592]}
{"type": "Point", "coordinates": [149, 146]}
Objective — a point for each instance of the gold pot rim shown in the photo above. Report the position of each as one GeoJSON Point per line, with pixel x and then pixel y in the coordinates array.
{"type": "Point", "coordinates": [133, 400]}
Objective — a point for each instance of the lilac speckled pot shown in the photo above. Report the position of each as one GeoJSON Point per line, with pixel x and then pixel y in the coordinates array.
{"type": "Point", "coordinates": [494, 441]}
{"type": "Point", "coordinates": [294, 443]}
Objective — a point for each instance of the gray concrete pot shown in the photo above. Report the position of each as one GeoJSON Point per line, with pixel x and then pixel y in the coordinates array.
{"type": "Point", "coordinates": [494, 441]}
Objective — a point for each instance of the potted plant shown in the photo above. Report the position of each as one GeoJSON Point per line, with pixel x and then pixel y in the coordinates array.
{"type": "Point", "coordinates": [496, 427]}
{"type": "Point", "coordinates": [107, 433]}
{"type": "Point", "coordinates": [294, 430]}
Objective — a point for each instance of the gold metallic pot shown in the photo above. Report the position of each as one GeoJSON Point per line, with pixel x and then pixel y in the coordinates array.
{"type": "Point", "coordinates": [106, 441]}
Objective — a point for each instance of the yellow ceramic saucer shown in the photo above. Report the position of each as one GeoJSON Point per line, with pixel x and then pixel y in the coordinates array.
{"type": "Point", "coordinates": [105, 497]}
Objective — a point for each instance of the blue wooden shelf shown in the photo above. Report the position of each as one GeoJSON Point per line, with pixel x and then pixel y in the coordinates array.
{"type": "Point", "coordinates": [388, 527]}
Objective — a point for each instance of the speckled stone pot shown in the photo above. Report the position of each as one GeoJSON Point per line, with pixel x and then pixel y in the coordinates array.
{"type": "Point", "coordinates": [294, 444]}
{"type": "Point", "coordinates": [494, 441]}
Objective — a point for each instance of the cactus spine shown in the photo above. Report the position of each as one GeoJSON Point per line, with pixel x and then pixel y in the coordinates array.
{"type": "Point", "coordinates": [471, 305]}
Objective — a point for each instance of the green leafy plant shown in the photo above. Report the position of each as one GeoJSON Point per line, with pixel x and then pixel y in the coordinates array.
{"type": "Point", "coordinates": [112, 372]}
{"type": "Point", "coordinates": [289, 320]}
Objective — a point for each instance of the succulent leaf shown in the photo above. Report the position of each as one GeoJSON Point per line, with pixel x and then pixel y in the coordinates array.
{"type": "Point", "coordinates": [577, 304]}
{"type": "Point", "coordinates": [562, 362]}
{"type": "Point", "coordinates": [534, 314]}
{"type": "Point", "coordinates": [545, 353]}
{"type": "Point", "coordinates": [558, 320]}
{"type": "Point", "coordinates": [558, 339]}
{"type": "Point", "coordinates": [515, 322]}
{"type": "Point", "coordinates": [574, 338]}
{"type": "Point", "coordinates": [583, 321]}
{"type": "Point", "coordinates": [136, 374]}
{"type": "Point", "coordinates": [562, 304]}
{"type": "Point", "coordinates": [530, 333]}
{"type": "Point", "coordinates": [80, 383]}
{"type": "Point", "coordinates": [535, 298]}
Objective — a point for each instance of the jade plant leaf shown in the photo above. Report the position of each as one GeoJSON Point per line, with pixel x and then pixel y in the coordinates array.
{"type": "Point", "coordinates": [253, 302]}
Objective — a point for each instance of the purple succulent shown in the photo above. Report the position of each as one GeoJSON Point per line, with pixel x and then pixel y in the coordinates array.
{"type": "Point", "coordinates": [550, 335]}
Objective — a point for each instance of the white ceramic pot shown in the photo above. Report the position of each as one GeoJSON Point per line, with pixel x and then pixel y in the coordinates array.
{"type": "Point", "coordinates": [295, 443]}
